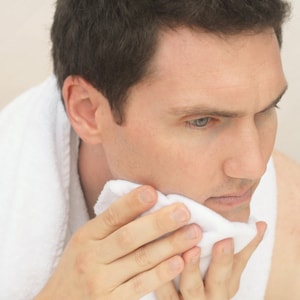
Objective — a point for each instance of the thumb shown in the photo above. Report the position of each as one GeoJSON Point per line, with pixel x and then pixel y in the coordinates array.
{"type": "Point", "coordinates": [241, 259]}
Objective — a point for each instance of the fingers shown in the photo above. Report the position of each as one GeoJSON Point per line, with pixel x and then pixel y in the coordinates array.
{"type": "Point", "coordinates": [222, 279]}
{"type": "Point", "coordinates": [226, 269]}
{"type": "Point", "coordinates": [150, 255]}
{"type": "Point", "coordinates": [130, 237]}
{"type": "Point", "coordinates": [121, 212]}
{"type": "Point", "coordinates": [191, 284]}
{"type": "Point", "coordinates": [220, 270]}
{"type": "Point", "coordinates": [167, 292]}
{"type": "Point", "coordinates": [241, 259]}
{"type": "Point", "coordinates": [148, 281]}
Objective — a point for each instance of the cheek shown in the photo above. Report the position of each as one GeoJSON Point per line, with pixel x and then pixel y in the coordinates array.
{"type": "Point", "coordinates": [183, 168]}
{"type": "Point", "coordinates": [167, 164]}
{"type": "Point", "coordinates": [132, 154]}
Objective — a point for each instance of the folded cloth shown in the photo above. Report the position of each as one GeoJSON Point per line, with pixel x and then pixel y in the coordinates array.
{"type": "Point", "coordinates": [216, 228]}
{"type": "Point", "coordinates": [213, 225]}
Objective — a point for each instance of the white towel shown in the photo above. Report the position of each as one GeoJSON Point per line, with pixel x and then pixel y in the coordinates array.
{"type": "Point", "coordinates": [34, 190]}
{"type": "Point", "coordinates": [38, 178]}
{"type": "Point", "coordinates": [214, 227]}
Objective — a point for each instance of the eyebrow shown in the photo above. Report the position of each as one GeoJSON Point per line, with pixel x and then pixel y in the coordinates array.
{"type": "Point", "coordinates": [211, 111]}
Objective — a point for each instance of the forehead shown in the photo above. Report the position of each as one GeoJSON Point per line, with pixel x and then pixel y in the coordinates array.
{"type": "Point", "coordinates": [191, 61]}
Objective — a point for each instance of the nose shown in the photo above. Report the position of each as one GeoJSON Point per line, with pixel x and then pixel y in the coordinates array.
{"type": "Point", "coordinates": [246, 157]}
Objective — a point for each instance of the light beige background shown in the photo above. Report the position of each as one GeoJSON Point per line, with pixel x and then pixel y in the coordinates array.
{"type": "Point", "coordinates": [25, 60]}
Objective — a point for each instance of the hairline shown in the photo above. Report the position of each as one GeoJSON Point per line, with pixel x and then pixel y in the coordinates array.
{"type": "Point", "coordinates": [120, 115]}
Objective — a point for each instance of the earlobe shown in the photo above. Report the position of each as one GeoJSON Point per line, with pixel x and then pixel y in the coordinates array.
{"type": "Point", "coordinates": [82, 103]}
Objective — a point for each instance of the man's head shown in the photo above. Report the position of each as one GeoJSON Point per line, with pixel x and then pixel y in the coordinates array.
{"type": "Point", "coordinates": [199, 117]}
{"type": "Point", "coordinates": [110, 43]}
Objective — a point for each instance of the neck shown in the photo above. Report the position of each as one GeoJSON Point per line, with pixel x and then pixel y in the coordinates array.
{"type": "Point", "coordinates": [93, 172]}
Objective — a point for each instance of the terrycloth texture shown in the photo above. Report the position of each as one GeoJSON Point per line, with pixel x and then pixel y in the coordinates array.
{"type": "Point", "coordinates": [213, 225]}
{"type": "Point", "coordinates": [34, 193]}
{"type": "Point", "coordinates": [216, 228]}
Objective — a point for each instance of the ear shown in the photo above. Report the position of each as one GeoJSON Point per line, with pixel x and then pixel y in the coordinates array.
{"type": "Point", "coordinates": [83, 103]}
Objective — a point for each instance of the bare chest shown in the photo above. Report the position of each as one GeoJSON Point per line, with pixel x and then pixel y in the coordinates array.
{"type": "Point", "coordinates": [284, 281]}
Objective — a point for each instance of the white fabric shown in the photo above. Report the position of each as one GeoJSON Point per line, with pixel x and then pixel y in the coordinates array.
{"type": "Point", "coordinates": [38, 177]}
{"type": "Point", "coordinates": [216, 228]}
{"type": "Point", "coordinates": [34, 192]}
{"type": "Point", "coordinates": [213, 225]}
{"type": "Point", "coordinates": [264, 207]}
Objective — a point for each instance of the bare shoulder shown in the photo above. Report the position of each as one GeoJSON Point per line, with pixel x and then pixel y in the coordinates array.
{"type": "Point", "coordinates": [286, 253]}
{"type": "Point", "coordinates": [287, 173]}
{"type": "Point", "coordinates": [286, 168]}
{"type": "Point", "coordinates": [288, 187]}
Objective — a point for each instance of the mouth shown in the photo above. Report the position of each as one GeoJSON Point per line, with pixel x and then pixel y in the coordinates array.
{"type": "Point", "coordinates": [230, 201]}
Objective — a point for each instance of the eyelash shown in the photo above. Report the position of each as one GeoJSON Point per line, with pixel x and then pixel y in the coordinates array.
{"type": "Point", "coordinates": [208, 120]}
{"type": "Point", "coordinates": [192, 124]}
{"type": "Point", "coordinates": [275, 106]}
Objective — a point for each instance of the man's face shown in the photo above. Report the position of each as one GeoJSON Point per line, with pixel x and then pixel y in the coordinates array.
{"type": "Point", "coordinates": [203, 123]}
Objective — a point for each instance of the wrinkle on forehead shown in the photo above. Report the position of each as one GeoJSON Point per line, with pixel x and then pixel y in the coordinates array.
{"type": "Point", "coordinates": [190, 63]}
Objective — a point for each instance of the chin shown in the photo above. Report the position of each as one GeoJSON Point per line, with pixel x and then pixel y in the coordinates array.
{"type": "Point", "coordinates": [240, 214]}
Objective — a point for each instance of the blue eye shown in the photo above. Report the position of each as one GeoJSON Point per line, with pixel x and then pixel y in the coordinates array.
{"type": "Point", "coordinates": [199, 123]}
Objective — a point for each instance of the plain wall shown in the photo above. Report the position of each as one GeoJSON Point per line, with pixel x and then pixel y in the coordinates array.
{"type": "Point", "coordinates": [288, 138]}
{"type": "Point", "coordinates": [25, 61]}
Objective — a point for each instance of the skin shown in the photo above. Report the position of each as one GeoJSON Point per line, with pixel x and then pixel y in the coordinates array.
{"type": "Point", "coordinates": [208, 134]}
{"type": "Point", "coordinates": [192, 71]}
{"type": "Point", "coordinates": [287, 242]}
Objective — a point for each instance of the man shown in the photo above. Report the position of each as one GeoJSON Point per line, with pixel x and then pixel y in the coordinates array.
{"type": "Point", "coordinates": [179, 96]}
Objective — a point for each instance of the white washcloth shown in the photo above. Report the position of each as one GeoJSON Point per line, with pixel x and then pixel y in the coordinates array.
{"type": "Point", "coordinates": [214, 227]}
{"type": "Point", "coordinates": [34, 190]}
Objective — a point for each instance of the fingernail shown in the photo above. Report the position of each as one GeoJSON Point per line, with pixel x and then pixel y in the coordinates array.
{"type": "Point", "coordinates": [146, 195]}
{"type": "Point", "coordinates": [263, 230]}
{"type": "Point", "coordinates": [191, 232]}
{"type": "Point", "coordinates": [180, 215]}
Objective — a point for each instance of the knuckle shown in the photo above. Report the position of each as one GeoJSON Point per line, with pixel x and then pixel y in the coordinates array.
{"type": "Point", "coordinates": [83, 261]}
{"type": "Point", "coordinates": [193, 291]}
{"type": "Point", "coordinates": [142, 257]}
{"type": "Point", "coordinates": [124, 238]}
{"type": "Point", "coordinates": [111, 218]}
{"type": "Point", "coordinates": [138, 285]}
{"type": "Point", "coordinates": [170, 218]}
{"type": "Point", "coordinates": [78, 239]}
{"type": "Point", "coordinates": [217, 283]}
{"type": "Point", "coordinates": [91, 286]}
{"type": "Point", "coordinates": [159, 224]}
{"type": "Point", "coordinates": [177, 241]}
{"type": "Point", "coordinates": [174, 241]}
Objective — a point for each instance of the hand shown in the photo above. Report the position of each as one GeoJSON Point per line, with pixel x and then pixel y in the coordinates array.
{"type": "Point", "coordinates": [222, 279]}
{"type": "Point", "coordinates": [119, 256]}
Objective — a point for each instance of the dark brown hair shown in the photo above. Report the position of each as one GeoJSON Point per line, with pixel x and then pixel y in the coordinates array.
{"type": "Point", "coordinates": [111, 42]}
